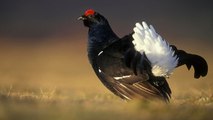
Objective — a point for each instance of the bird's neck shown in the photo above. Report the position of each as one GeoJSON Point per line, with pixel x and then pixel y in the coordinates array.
{"type": "Point", "coordinates": [99, 38]}
{"type": "Point", "coordinates": [101, 35]}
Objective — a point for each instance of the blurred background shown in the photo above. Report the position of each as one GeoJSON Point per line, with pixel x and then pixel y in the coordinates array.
{"type": "Point", "coordinates": [42, 44]}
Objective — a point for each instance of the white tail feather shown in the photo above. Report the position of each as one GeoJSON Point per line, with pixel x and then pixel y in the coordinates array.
{"type": "Point", "coordinates": [157, 50]}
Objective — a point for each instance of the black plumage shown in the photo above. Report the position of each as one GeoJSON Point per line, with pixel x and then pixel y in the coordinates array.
{"type": "Point", "coordinates": [123, 70]}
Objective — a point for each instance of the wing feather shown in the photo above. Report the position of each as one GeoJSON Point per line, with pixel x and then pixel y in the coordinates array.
{"type": "Point", "coordinates": [120, 79]}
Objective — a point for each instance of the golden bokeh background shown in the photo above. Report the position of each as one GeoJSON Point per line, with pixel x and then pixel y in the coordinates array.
{"type": "Point", "coordinates": [45, 74]}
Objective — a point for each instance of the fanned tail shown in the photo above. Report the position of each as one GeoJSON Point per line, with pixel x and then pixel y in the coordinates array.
{"type": "Point", "coordinates": [199, 63]}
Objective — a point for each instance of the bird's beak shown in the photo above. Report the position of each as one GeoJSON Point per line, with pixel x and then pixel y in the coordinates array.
{"type": "Point", "coordinates": [82, 18]}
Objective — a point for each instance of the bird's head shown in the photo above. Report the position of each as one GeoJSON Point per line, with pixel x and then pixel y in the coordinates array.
{"type": "Point", "coordinates": [91, 18]}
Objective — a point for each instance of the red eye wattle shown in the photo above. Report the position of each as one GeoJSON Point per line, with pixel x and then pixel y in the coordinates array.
{"type": "Point", "coordinates": [89, 12]}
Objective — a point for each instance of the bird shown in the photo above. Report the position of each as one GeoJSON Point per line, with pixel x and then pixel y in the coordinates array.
{"type": "Point", "coordinates": [137, 65]}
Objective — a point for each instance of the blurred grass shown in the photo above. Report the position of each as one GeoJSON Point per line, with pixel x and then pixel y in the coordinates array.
{"type": "Point", "coordinates": [52, 80]}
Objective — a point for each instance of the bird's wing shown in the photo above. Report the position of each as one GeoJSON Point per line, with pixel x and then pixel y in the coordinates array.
{"type": "Point", "coordinates": [199, 63]}
{"type": "Point", "coordinates": [112, 70]}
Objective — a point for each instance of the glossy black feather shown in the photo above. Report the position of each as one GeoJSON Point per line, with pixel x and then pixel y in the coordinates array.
{"type": "Point", "coordinates": [123, 70]}
{"type": "Point", "coordinates": [110, 63]}
{"type": "Point", "coordinates": [199, 63]}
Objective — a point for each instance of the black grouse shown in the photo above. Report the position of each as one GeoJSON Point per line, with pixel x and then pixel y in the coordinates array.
{"type": "Point", "coordinates": [135, 66]}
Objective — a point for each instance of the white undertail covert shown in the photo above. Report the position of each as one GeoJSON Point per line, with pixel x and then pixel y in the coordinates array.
{"type": "Point", "coordinates": [157, 50]}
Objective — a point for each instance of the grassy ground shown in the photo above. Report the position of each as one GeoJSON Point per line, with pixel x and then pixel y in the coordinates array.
{"type": "Point", "coordinates": [53, 80]}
